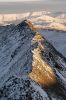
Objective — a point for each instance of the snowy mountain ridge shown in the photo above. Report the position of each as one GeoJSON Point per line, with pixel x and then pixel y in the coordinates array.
{"type": "Point", "coordinates": [28, 62]}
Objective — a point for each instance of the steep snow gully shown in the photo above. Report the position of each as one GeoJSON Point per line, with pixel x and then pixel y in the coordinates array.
{"type": "Point", "coordinates": [30, 67]}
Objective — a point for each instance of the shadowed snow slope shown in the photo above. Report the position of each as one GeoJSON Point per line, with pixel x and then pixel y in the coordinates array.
{"type": "Point", "coordinates": [30, 67]}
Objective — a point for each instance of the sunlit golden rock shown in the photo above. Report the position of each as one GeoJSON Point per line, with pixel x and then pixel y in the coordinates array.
{"type": "Point", "coordinates": [41, 70]}
{"type": "Point", "coordinates": [30, 25]}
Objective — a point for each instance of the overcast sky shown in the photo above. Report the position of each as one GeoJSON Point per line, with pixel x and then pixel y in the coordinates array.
{"type": "Point", "coordinates": [32, 0]}
{"type": "Point", "coordinates": [14, 6]}
{"type": "Point", "coordinates": [17, 0]}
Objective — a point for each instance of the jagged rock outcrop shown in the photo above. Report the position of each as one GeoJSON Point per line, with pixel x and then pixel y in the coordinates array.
{"type": "Point", "coordinates": [30, 67]}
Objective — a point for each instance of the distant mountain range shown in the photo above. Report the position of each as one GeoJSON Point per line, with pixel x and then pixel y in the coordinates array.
{"type": "Point", "coordinates": [40, 19]}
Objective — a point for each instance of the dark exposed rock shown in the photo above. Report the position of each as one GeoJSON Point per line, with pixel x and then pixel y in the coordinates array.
{"type": "Point", "coordinates": [22, 89]}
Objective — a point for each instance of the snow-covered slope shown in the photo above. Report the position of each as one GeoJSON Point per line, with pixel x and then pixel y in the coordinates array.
{"type": "Point", "coordinates": [23, 56]}
{"type": "Point", "coordinates": [16, 63]}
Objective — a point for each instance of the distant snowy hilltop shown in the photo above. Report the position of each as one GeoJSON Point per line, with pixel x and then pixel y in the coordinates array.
{"type": "Point", "coordinates": [41, 20]}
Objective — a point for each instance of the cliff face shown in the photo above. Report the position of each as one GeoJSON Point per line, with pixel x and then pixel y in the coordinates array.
{"type": "Point", "coordinates": [30, 67]}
